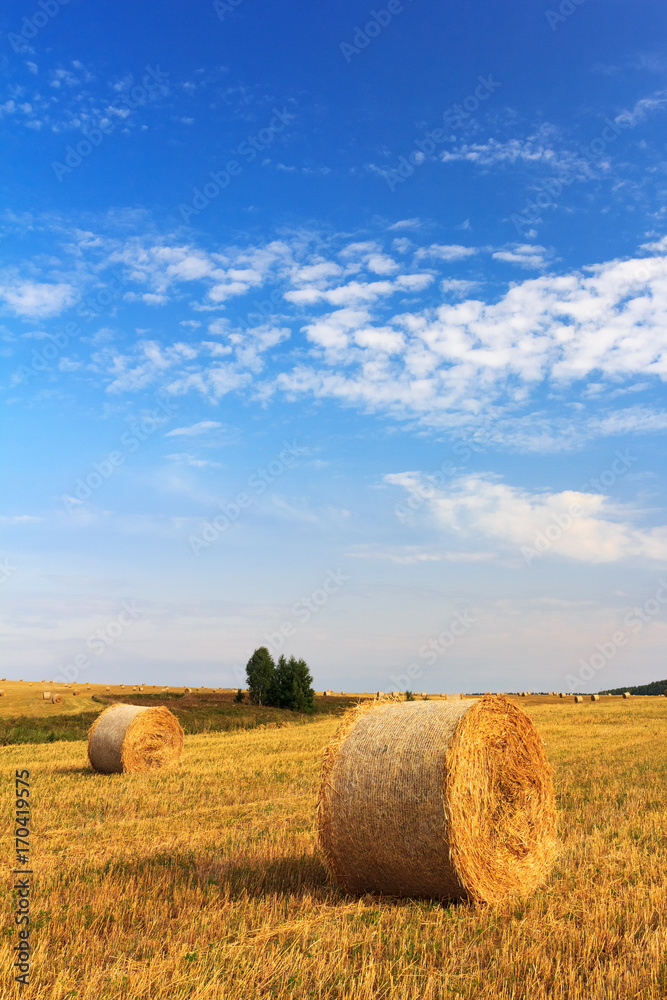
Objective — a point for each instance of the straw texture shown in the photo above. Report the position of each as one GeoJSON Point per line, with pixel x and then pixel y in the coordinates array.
{"type": "Point", "coordinates": [129, 738]}
{"type": "Point", "coordinates": [434, 799]}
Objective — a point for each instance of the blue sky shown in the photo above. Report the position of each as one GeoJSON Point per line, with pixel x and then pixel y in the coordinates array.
{"type": "Point", "coordinates": [340, 329]}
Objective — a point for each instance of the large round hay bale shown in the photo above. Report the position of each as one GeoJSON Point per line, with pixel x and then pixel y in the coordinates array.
{"type": "Point", "coordinates": [436, 799]}
{"type": "Point", "coordinates": [2, 693]}
{"type": "Point", "coordinates": [56, 699]}
{"type": "Point", "coordinates": [595, 697]}
{"type": "Point", "coordinates": [578, 698]}
{"type": "Point", "coordinates": [46, 696]}
{"type": "Point", "coordinates": [626, 694]}
{"type": "Point", "coordinates": [131, 738]}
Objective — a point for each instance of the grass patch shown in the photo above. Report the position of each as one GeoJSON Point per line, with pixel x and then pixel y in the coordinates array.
{"type": "Point", "coordinates": [28, 729]}
{"type": "Point", "coordinates": [197, 713]}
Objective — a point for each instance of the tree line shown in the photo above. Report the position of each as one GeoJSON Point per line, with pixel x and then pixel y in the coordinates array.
{"type": "Point", "coordinates": [285, 684]}
{"type": "Point", "coordinates": [655, 687]}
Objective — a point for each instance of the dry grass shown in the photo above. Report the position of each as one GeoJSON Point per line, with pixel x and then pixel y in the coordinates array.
{"type": "Point", "coordinates": [202, 883]}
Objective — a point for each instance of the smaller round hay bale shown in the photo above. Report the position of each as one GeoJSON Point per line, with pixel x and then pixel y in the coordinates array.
{"type": "Point", "coordinates": [29, 684]}
{"type": "Point", "coordinates": [46, 696]}
{"type": "Point", "coordinates": [626, 694]}
{"type": "Point", "coordinates": [578, 698]}
{"type": "Point", "coordinates": [75, 694]}
{"type": "Point", "coordinates": [2, 693]}
{"type": "Point", "coordinates": [129, 738]}
{"type": "Point", "coordinates": [57, 699]}
{"type": "Point", "coordinates": [595, 697]}
{"type": "Point", "coordinates": [561, 695]}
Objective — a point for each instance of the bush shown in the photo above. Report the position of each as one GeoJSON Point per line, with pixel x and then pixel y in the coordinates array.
{"type": "Point", "coordinates": [239, 697]}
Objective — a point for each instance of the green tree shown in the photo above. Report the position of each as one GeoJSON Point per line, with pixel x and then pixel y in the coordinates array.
{"type": "Point", "coordinates": [260, 672]}
{"type": "Point", "coordinates": [281, 685]}
{"type": "Point", "coordinates": [292, 685]}
{"type": "Point", "coordinates": [302, 686]}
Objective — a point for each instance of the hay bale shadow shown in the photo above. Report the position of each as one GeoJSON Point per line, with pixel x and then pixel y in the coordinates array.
{"type": "Point", "coordinates": [293, 875]}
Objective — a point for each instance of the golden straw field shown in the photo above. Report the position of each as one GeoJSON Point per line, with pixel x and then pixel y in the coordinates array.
{"type": "Point", "coordinates": [203, 881]}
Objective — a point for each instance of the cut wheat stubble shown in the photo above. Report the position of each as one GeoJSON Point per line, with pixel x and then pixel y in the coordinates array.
{"type": "Point", "coordinates": [439, 800]}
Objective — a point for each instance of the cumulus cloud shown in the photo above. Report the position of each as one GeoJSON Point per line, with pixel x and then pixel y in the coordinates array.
{"type": "Point", "coordinates": [452, 355]}
{"type": "Point", "coordinates": [452, 251]}
{"type": "Point", "coordinates": [525, 255]}
{"type": "Point", "coordinates": [585, 527]}
{"type": "Point", "coordinates": [35, 299]}
{"type": "Point", "coordinates": [464, 359]}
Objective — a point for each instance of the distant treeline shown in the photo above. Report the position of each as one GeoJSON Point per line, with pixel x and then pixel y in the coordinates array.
{"type": "Point", "coordinates": [655, 687]}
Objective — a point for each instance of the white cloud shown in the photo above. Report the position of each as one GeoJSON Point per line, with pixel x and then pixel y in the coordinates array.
{"type": "Point", "coordinates": [185, 458]}
{"type": "Point", "coordinates": [37, 300]}
{"type": "Point", "coordinates": [464, 359]}
{"type": "Point", "coordinates": [452, 251]}
{"type": "Point", "coordinates": [585, 527]}
{"type": "Point", "coordinates": [406, 224]}
{"type": "Point", "coordinates": [203, 427]}
{"type": "Point", "coordinates": [525, 255]}
{"type": "Point", "coordinates": [458, 287]}
{"type": "Point", "coordinates": [643, 108]}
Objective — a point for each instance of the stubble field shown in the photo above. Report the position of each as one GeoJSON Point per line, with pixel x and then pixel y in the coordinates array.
{"type": "Point", "coordinates": [203, 882]}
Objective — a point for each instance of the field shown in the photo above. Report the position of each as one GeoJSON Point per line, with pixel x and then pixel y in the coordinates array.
{"type": "Point", "coordinates": [203, 882]}
{"type": "Point", "coordinates": [26, 718]}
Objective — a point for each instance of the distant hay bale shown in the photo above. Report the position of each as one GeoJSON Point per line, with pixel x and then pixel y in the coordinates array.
{"type": "Point", "coordinates": [128, 738]}
{"type": "Point", "coordinates": [437, 800]}
{"type": "Point", "coordinates": [626, 694]}
{"type": "Point", "coordinates": [561, 695]}
{"type": "Point", "coordinates": [578, 698]}
{"type": "Point", "coordinates": [57, 699]}
{"type": "Point", "coordinates": [595, 697]}
{"type": "Point", "coordinates": [75, 694]}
